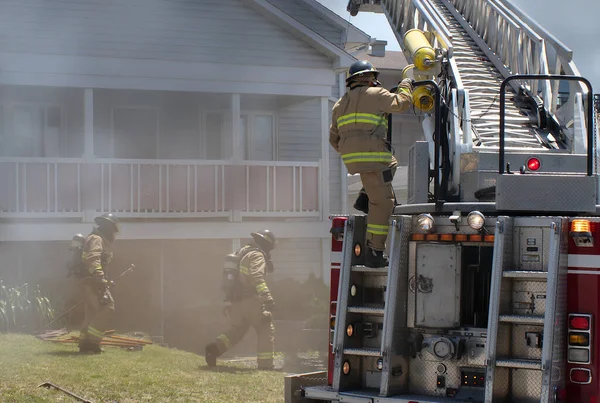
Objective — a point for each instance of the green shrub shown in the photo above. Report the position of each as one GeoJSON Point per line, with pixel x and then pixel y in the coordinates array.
{"type": "Point", "coordinates": [23, 310]}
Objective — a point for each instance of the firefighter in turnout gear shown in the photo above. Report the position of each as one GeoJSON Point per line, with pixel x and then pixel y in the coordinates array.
{"type": "Point", "coordinates": [358, 132]}
{"type": "Point", "coordinates": [248, 302]}
{"type": "Point", "coordinates": [99, 304]}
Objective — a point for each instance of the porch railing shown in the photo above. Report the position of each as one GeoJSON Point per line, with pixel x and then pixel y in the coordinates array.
{"type": "Point", "coordinates": [39, 187]}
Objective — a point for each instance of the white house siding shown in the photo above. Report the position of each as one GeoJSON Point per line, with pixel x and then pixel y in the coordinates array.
{"type": "Point", "coordinates": [308, 16]}
{"type": "Point", "coordinates": [297, 259]}
{"type": "Point", "coordinates": [210, 31]}
{"type": "Point", "coordinates": [335, 177]}
{"type": "Point", "coordinates": [300, 132]}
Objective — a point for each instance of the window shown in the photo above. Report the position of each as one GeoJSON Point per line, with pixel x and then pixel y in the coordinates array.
{"type": "Point", "coordinates": [213, 135]}
{"type": "Point", "coordinates": [258, 131]}
{"type": "Point", "coordinates": [135, 133]}
{"type": "Point", "coordinates": [32, 131]}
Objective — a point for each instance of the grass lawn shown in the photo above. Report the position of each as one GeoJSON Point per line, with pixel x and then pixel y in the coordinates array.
{"type": "Point", "coordinates": [155, 374]}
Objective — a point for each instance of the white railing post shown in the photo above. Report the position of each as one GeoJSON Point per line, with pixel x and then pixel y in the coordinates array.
{"type": "Point", "coordinates": [88, 122]}
{"type": "Point", "coordinates": [17, 207]}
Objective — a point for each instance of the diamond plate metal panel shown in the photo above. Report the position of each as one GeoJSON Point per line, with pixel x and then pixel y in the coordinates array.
{"type": "Point", "coordinates": [526, 385]}
{"type": "Point", "coordinates": [395, 368]}
{"type": "Point", "coordinates": [537, 192]}
{"type": "Point", "coordinates": [437, 285]}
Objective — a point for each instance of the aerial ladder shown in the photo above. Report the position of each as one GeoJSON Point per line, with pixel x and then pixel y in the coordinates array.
{"type": "Point", "coordinates": [473, 304]}
{"type": "Point", "coordinates": [478, 44]}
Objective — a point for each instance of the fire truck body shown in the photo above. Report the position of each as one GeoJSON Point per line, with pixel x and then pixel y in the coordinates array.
{"type": "Point", "coordinates": [492, 291]}
{"type": "Point", "coordinates": [502, 312]}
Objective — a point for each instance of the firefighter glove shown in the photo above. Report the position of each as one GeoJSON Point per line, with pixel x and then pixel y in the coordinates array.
{"type": "Point", "coordinates": [105, 298]}
{"type": "Point", "coordinates": [268, 305]}
{"type": "Point", "coordinates": [406, 87]}
{"type": "Point", "coordinates": [101, 285]}
{"type": "Point", "coordinates": [267, 316]}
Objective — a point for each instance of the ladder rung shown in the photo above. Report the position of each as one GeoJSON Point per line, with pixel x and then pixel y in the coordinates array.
{"type": "Point", "coordinates": [365, 352]}
{"type": "Point", "coordinates": [372, 270]}
{"type": "Point", "coordinates": [519, 363]}
{"type": "Point", "coordinates": [523, 319]}
{"type": "Point", "coordinates": [369, 310]}
{"type": "Point", "coordinates": [525, 274]}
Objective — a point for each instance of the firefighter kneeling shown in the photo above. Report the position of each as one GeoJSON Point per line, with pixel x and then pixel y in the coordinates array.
{"type": "Point", "coordinates": [248, 300]}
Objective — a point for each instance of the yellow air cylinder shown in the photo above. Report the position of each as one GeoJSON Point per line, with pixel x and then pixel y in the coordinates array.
{"type": "Point", "coordinates": [423, 98]}
{"type": "Point", "coordinates": [421, 52]}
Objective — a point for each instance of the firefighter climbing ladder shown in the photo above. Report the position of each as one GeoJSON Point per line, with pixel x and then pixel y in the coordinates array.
{"type": "Point", "coordinates": [375, 338]}
{"type": "Point", "coordinates": [521, 297]}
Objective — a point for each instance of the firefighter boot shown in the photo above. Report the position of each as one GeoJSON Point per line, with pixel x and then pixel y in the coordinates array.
{"type": "Point", "coordinates": [362, 202]}
{"type": "Point", "coordinates": [211, 352]}
{"type": "Point", "coordinates": [87, 347]}
{"type": "Point", "coordinates": [375, 258]}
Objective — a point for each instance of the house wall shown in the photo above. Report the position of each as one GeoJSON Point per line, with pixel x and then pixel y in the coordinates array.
{"type": "Point", "coordinates": [211, 31]}
{"type": "Point", "coordinates": [300, 132]}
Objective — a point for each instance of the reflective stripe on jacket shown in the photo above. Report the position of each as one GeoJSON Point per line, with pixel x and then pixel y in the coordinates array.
{"type": "Point", "coordinates": [359, 127]}
{"type": "Point", "coordinates": [253, 270]}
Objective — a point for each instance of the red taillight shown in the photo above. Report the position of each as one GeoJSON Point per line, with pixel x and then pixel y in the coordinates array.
{"type": "Point", "coordinates": [579, 322]}
{"type": "Point", "coordinates": [580, 375]}
{"type": "Point", "coordinates": [533, 164]}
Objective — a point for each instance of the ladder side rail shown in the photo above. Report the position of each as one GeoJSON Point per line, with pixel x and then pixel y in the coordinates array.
{"type": "Point", "coordinates": [390, 295]}
{"type": "Point", "coordinates": [405, 15]}
{"type": "Point", "coordinates": [342, 300]}
{"type": "Point", "coordinates": [533, 59]}
{"type": "Point", "coordinates": [494, 309]}
{"type": "Point", "coordinates": [560, 62]}
{"type": "Point", "coordinates": [550, 313]}
{"type": "Point", "coordinates": [532, 51]}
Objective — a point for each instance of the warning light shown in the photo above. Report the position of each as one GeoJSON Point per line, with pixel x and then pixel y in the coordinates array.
{"type": "Point", "coordinates": [580, 228]}
{"type": "Point", "coordinates": [579, 322]}
{"type": "Point", "coordinates": [579, 339]}
{"type": "Point", "coordinates": [533, 164]}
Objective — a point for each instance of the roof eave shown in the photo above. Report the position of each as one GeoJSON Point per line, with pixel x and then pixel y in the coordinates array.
{"type": "Point", "coordinates": [341, 58]}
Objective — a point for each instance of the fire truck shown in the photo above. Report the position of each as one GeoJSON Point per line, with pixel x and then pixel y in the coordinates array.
{"type": "Point", "coordinates": [492, 293]}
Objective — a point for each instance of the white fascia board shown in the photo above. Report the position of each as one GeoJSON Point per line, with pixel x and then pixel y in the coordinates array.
{"type": "Point", "coordinates": [39, 231]}
{"type": "Point", "coordinates": [341, 58]}
{"type": "Point", "coordinates": [354, 34]}
{"type": "Point", "coordinates": [162, 75]}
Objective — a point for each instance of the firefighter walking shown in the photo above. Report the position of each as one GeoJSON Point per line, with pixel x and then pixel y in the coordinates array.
{"type": "Point", "coordinates": [358, 133]}
{"type": "Point", "coordinates": [94, 286]}
{"type": "Point", "coordinates": [248, 301]}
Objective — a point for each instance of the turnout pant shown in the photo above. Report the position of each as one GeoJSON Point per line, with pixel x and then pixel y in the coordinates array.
{"type": "Point", "coordinates": [378, 186]}
{"type": "Point", "coordinates": [243, 315]}
{"type": "Point", "coordinates": [97, 315]}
